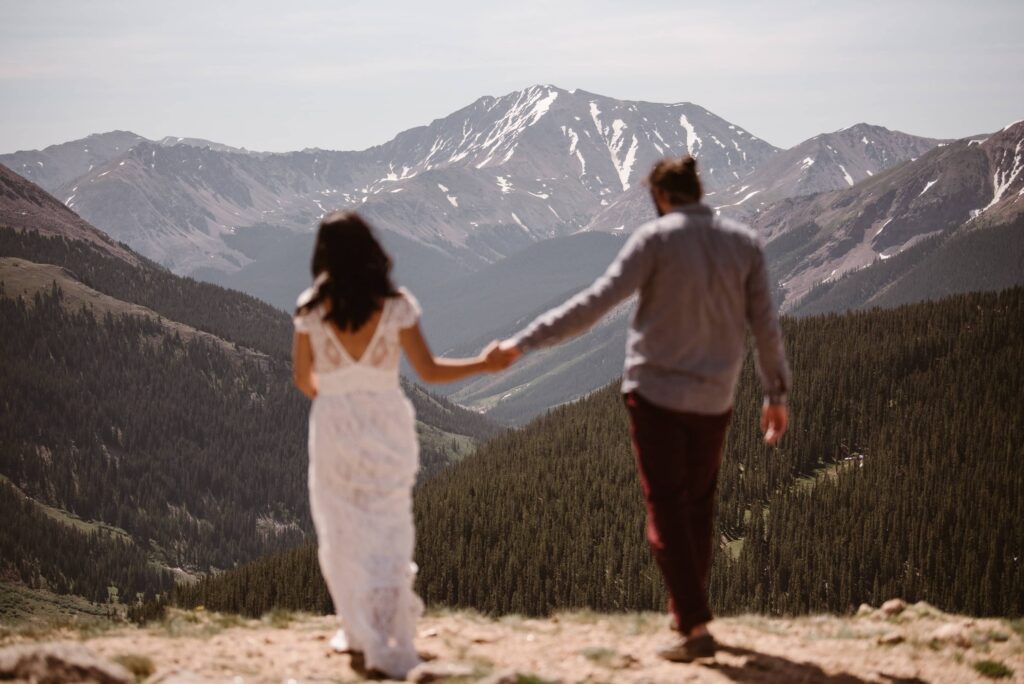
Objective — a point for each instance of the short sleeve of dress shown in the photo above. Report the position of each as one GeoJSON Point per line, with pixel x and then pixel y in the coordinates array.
{"type": "Point", "coordinates": [303, 320]}
{"type": "Point", "coordinates": [407, 311]}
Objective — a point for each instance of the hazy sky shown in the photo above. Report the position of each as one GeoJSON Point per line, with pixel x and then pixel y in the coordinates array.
{"type": "Point", "coordinates": [348, 75]}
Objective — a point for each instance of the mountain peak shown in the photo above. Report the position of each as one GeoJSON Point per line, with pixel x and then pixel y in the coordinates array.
{"type": "Point", "coordinates": [861, 127]}
{"type": "Point", "coordinates": [1016, 124]}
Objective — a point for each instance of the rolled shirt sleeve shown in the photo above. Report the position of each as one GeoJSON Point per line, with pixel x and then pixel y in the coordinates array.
{"type": "Point", "coordinates": [770, 353]}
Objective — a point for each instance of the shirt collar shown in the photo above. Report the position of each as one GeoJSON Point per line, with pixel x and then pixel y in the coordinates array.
{"type": "Point", "coordinates": [695, 208]}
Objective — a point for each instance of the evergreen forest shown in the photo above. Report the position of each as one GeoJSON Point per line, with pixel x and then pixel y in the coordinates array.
{"type": "Point", "coordinates": [121, 439]}
{"type": "Point", "coordinates": [900, 476]}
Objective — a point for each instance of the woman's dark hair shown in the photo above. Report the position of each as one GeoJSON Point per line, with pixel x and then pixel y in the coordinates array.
{"type": "Point", "coordinates": [677, 179]}
{"type": "Point", "coordinates": [350, 270]}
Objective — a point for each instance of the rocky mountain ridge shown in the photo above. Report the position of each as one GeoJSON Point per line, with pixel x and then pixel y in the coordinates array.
{"type": "Point", "coordinates": [826, 162]}
{"type": "Point", "coordinates": [477, 185]}
{"type": "Point", "coordinates": [968, 184]}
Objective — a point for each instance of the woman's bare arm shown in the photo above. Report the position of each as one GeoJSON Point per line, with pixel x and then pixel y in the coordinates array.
{"type": "Point", "coordinates": [302, 365]}
{"type": "Point", "coordinates": [433, 369]}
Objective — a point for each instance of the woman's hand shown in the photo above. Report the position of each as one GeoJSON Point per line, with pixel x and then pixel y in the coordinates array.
{"type": "Point", "coordinates": [497, 356]}
{"type": "Point", "coordinates": [433, 369]}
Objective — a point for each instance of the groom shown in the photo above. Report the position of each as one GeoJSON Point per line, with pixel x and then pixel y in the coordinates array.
{"type": "Point", "coordinates": [701, 282]}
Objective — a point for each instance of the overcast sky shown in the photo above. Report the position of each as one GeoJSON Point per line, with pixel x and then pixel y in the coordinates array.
{"type": "Point", "coordinates": [348, 75]}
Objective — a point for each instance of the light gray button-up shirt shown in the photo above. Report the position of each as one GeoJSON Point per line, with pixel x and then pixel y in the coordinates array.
{"type": "Point", "coordinates": [701, 281]}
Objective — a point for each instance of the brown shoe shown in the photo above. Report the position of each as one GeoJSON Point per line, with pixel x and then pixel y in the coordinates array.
{"type": "Point", "coordinates": [357, 661]}
{"type": "Point", "coordinates": [689, 650]}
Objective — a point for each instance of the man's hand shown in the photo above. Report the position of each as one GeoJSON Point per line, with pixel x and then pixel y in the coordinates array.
{"type": "Point", "coordinates": [774, 421]}
{"type": "Point", "coordinates": [510, 348]}
{"type": "Point", "coordinates": [499, 356]}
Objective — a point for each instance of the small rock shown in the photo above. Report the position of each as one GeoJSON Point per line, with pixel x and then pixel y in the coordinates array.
{"type": "Point", "coordinates": [952, 633]}
{"type": "Point", "coordinates": [178, 677]}
{"type": "Point", "coordinates": [627, 661]}
{"type": "Point", "coordinates": [508, 677]}
{"type": "Point", "coordinates": [54, 662]}
{"type": "Point", "coordinates": [894, 607]}
{"type": "Point", "coordinates": [865, 610]}
{"type": "Point", "coordinates": [429, 633]}
{"type": "Point", "coordinates": [481, 637]}
{"type": "Point", "coordinates": [503, 677]}
{"type": "Point", "coordinates": [438, 672]}
{"type": "Point", "coordinates": [923, 608]}
{"type": "Point", "coordinates": [891, 639]}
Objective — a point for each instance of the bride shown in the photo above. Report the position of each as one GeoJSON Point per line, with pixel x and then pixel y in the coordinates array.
{"type": "Point", "coordinates": [363, 455]}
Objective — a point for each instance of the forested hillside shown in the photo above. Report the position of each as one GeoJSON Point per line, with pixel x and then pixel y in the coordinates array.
{"type": "Point", "coordinates": [193, 452]}
{"type": "Point", "coordinates": [900, 476]}
{"type": "Point", "coordinates": [985, 255]}
{"type": "Point", "coordinates": [230, 315]}
{"type": "Point", "coordinates": [147, 421]}
{"type": "Point", "coordinates": [196, 452]}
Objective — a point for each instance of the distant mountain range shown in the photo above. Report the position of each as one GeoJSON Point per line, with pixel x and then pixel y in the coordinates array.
{"type": "Point", "coordinates": [485, 212]}
{"type": "Point", "coordinates": [473, 187]}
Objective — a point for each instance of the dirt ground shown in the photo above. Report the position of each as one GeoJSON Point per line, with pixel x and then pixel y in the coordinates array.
{"type": "Point", "coordinates": [920, 644]}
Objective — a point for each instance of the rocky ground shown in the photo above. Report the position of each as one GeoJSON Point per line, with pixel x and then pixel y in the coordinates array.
{"type": "Point", "coordinates": [895, 643]}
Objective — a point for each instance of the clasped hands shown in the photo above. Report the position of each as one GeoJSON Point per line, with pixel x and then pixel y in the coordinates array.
{"type": "Point", "coordinates": [498, 356]}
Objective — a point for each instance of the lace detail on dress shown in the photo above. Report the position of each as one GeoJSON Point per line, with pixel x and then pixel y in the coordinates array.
{"type": "Point", "coordinates": [383, 351]}
{"type": "Point", "coordinates": [363, 457]}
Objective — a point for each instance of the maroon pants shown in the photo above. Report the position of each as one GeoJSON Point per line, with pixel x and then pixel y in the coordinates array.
{"type": "Point", "coordinates": [678, 456]}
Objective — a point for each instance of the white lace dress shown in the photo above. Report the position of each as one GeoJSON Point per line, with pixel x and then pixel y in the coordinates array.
{"type": "Point", "coordinates": [363, 458]}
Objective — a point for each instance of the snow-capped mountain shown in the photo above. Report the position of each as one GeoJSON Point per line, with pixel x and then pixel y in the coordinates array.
{"type": "Point", "coordinates": [478, 184]}
{"type": "Point", "coordinates": [970, 183]}
{"type": "Point", "coordinates": [826, 162]}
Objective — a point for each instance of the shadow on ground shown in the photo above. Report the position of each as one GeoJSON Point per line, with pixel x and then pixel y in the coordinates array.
{"type": "Point", "coordinates": [762, 668]}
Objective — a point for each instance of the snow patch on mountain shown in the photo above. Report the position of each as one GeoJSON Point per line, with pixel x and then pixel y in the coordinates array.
{"type": "Point", "coordinates": [1003, 177]}
{"type": "Point", "coordinates": [530, 107]}
{"type": "Point", "coordinates": [928, 186]}
{"type": "Point", "coordinates": [846, 174]}
{"type": "Point", "coordinates": [583, 163]}
{"type": "Point", "coordinates": [519, 221]}
{"type": "Point", "coordinates": [693, 141]}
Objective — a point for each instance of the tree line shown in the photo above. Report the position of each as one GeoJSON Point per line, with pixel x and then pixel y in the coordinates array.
{"type": "Point", "coordinates": [901, 476]}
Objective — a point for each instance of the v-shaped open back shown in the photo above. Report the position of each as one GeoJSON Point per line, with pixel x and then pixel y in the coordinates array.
{"type": "Point", "coordinates": [335, 335]}
{"type": "Point", "coordinates": [378, 363]}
